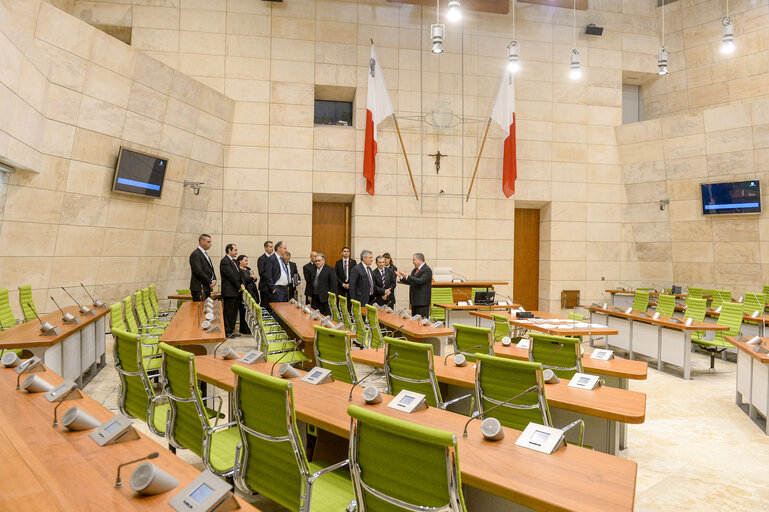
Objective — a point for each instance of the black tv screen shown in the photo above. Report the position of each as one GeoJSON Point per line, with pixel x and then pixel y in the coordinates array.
{"type": "Point", "coordinates": [139, 173]}
{"type": "Point", "coordinates": [734, 197]}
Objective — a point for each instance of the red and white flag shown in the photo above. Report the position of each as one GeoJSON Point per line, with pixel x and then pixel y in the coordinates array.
{"type": "Point", "coordinates": [503, 113]}
{"type": "Point", "coordinates": [378, 108]}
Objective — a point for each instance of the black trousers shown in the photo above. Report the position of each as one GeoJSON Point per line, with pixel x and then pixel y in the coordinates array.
{"type": "Point", "coordinates": [199, 295]}
{"type": "Point", "coordinates": [320, 306]}
{"type": "Point", "coordinates": [280, 295]}
{"type": "Point", "coordinates": [420, 310]}
{"type": "Point", "coordinates": [230, 313]}
{"type": "Point", "coordinates": [243, 324]}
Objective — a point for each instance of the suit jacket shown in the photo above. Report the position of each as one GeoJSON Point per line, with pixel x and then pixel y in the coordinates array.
{"type": "Point", "coordinates": [267, 267]}
{"type": "Point", "coordinates": [327, 282]}
{"type": "Point", "coordinates": [360, 287]}
{"type": "Point", "coordinates": [339, 268]}
{"type": "Point", "coordinates": [250, 283]}
{"type": "Point", "coordinates": [232, 279]}
{"type": "Point", "coordinates": [389, 281]}
{"type": "Point", "coordinates": [420, 286]}
{"type": "Point", "coordinates": [202, 272]}
{"type": "Point", "coordinates": [309, 274]}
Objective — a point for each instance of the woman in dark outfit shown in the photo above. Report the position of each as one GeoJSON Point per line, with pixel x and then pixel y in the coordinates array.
{"type": "Point", "coordinates": [249, 278]}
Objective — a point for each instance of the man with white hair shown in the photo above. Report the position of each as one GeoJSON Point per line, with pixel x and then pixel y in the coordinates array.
{"type": "Point", "coordinates": [361, 280]}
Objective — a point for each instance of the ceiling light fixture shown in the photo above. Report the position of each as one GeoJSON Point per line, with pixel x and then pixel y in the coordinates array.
{"type": "Point", "coordinates": [727, 33]}
{"type": "Point", "coordinates": [455, 13]}
{"type": "Point", "coordinates": [513, 51]}
{"type": "Point", "coordinates": [437, 30]}
{"type": "Point", "coordinates": [576, 70]}
{"type": "Point", "coordinates": [662, 58]}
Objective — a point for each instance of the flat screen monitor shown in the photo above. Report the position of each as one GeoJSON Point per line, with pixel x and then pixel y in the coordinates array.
{"type": "Point", "coordinates": [731, 198]}
{"type": "Point", "coordinates": [139, 173]}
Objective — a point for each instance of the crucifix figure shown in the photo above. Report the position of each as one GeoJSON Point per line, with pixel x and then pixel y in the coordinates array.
{"type": "Point", "coordinates": [437, 156]}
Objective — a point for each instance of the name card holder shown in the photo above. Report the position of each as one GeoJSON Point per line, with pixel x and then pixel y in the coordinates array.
{"type": "Point", "coordinates": [33, 364]}
{"type": "Point", "coordinates": [317, 376]}
{"type": "Point", "coordinates": [416, 317]}
{"type": "Point", "coordinates": [408, 401]}
{"type": "Point", "coordinates": [59, 393]}
{"type": "Point", "coordinates": [584, 381]}
{"type": "Point", "coordinates": [115, 430]}
{"type": "Point", "coordinates": [207, 493]}
{"type": "Point", "coordinates": [602, 355]}
{"type": "Point", "coordinates": [436, 324]}
{"type": "Point", "coordinates": [426, 321]}
{"type": "Point", "coordinates": [252, 356]}
{"type": "Point", "coordinates": [541, 438]}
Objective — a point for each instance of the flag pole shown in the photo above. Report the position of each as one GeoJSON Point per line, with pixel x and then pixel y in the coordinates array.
{"type": "Point", "coordinates": [488, 123]}
{"type": "Point", "coordinates": [403, 149]}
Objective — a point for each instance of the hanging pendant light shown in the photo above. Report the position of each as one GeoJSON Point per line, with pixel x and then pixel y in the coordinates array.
{"type": "Point", "coordinates": [575, 58]}
{"type": "Point", "coordinates": [455, 13]}
{"type": "Point", "coordinates": [437, 30]}
{"type": "Point", "coordinates": [727, 33]}
{"type": "Point", "coordinates": [662, 57]}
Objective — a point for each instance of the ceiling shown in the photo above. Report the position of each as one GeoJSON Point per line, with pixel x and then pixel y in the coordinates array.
{"type": "Point", "coordinates": [498, 6]}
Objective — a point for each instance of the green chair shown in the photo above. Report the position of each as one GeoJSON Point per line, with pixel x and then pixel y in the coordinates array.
{"type": "Point", "coordinates": [641, 301]}
{"type": "Point", "coordinates": [27, 304]}
{"type": "Point", "coordinates": [562, 354]}
{"type": "Point", "coordinates": [348, 322]}
{"type": "Point", "coordinates": [273, 341]}
{"type": "Point", "coordinates": [766, 290]}
{"type": "Point", "coordinates": [144, 311]}
{"type": "Point", "coordinates": [332, 352]}
{"type": "Point", "coordinates": [272, 460]}
{"type": "Point", "coordinates": [375, 328]}
{"type": "Point", "coordinates": [576, 316]}
{"type": "Point", "coordinates": [332, 305]}
{"type": "Point", "coordinates": [137, 397]}
{"type": "Point", "coordinates": [133, 326]}
{"type": "Point", "coordinates": [421, 474]}
{"type": "Point", "coordinates": [440, 295]}
{"type": "Point", "coordinates": [7, 318]}
{"type": "Point", "coordinates": [362, 332]}
{"type": "Point", "coordinates": [189, 421]}
{"type": "Point", "coordinates": [413, 370]}
{"type": "Point", "coordinates": [754, 302]}
{"type": "Point", "coordinates": [666, 304]}
{"type": "Point", "coordinates": [501, 327]}
{"type": "Point", "coordinates": [696, 310]}
{"type": "Point", "coordinates": [694, 292]}
{"type": "Point", "coordinates": [731, 316]}
{"type": "Point", "coordinates": [152, 314]}
{"type": "Point", "coordinates": [720, 297]}
{"type": "Point", "coordinates": [182, 291]}
{"type": "Point", "coordinates": [156, 303]}
{"type": "Point", "coordinates": [469, 340]}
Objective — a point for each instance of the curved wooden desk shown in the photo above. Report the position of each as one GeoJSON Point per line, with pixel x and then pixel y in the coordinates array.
{"type": "Point", "coordinates": [752, 379]}
{"type": "Point", "coordinates": [185, 330]}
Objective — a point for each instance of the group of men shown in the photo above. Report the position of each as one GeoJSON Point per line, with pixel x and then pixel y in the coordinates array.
{"type": "Point", "coordinates": [278, 280]}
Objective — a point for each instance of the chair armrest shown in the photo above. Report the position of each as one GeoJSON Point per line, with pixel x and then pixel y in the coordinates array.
{"type": "Point", "coordinates": [213, 429]}
{"type": "Point", "coordinates": [218, 409]}
{"type": "Point", "coordinates": [329, 469]}
{"type": "Point", "coordinates": [446, 404]}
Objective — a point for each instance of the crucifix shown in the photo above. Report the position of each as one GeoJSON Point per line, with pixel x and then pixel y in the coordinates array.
{"type": "Point", "coordinates": [437, 156]}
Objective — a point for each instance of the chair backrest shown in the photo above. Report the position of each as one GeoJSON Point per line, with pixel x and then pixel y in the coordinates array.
{"type": "Point", "coordinates": [154, 298]}
{"type": "Point", "coordinates": [498, 379]}
{"type": "Point", "coordinates": [694, 292]}
{"type": "Point", "coordinates": [440, 295]}
{"type": "Point", "coordinates": [412, 369]}
{"type": "Point", "coordinates": [7, 318]}
{"type": "Point", "coordinates": [348, 323]}
{"type": "Point", "coordinates": [562, 354]}
{"type": "Point", "coordinates": [361, 331]}
{"type": "Point", "coordinates": [130, 319]}
{"type": "Point", "coordinates": [182, 291]}
{"type": "Point", "coordinates": [187, 418]}
{"type": "Point", "coordinates": [141, 314]}
{"type": "Point", "coordinates": [372, 314]}
{"type": "Point", "coordinates": [116, 316]}
{"type": "Point", "coordinates": [501, 326]}
{"type": "Point", "coordinates": [135, 389]}
{"type": "Point", "coordinates": [696, 308]}
{"type": "Point", "coordinates": [273, 457]}
{"type": "Point", "coordinates": [766, 289]}
{"type": "Point", "coordinates": [332, 351]}
{"type": "Point", "coordinates": [754, 302]}
{"type": "Point", "coordinates": [151, 312]}
{"type": "Point", "coordinates": [470, 340]}
{"type": "Point", "coordinates": [641, 301]}
{"type": "Point", "coordinates": [666, 304]}
{"type": "Point", "coordinates": [332, 305]}
{"type": "Point", "coordinates": [260, 334]}
{"type": "Point", "coordinates": [422, 472]}
{"type": "Point", "coordinates": [27, 304]}
{"type": "Point", "coordinates": [731, 316]}
{"type": "Point", "coordinates": [720, 297]}
{"type": "Point", "coordinates": [576, 316]}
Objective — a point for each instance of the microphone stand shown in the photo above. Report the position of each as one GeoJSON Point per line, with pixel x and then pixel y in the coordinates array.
{"type": "Point", "coordinates": [118, 481]}
{"type": "Point", "coordinates": [519, 395]}
{"type": "Point", "coordinates": [360, 381]}
{"type": "Point", "coordinates": [63, 399]}
{"type": "Point", "coordinates": [456, 351]}
{"type": "Point", "coordinates": [296, 344]}
{"type": "Point", "coordinates": [96, 303]}
{"type": "Point", "coordinates": [217, 347]}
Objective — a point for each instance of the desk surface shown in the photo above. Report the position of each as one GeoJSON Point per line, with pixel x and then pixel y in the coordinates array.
{"type": "Point", "coordinates": [748, 349]}
{"type": "Point", "coordinates": [188, 296]}
{"type": "Point", "coordinates": [185, 329]}
{"type": "Point", "coordinates": [586, 480]}
{"type": "Point", "coordinates": [47, 468]}
{"type": "Point", "coordinates": [543, 317]}
{"type": "Point", "coordinates": [28, 334]}
{"type": "Point", "coordinates": [664, 321]}
{"type": "Point", "coordinates": [299, 322]}
{"type": "Point", "coordinates": [477, 307]}
{"type": "Point", "coordinates": [413, 329]}
{"type": "Point", "coordinates": [632, 292]}
{"type": "Point", "coordinates": [603, 402]}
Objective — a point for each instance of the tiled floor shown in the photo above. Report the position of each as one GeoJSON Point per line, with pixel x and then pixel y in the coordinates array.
{"type": "Point", "coordinates": [696, 451]}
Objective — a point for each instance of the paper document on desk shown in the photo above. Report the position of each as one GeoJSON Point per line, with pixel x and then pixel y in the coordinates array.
{"type": "Point", "coordinates": [547, 326]}
{"type": "Point", "coordinates": [524, 321]}
{"type": "Point", "coordinates": [599, 326]}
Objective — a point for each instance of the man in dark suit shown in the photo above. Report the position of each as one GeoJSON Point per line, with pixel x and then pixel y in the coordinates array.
{"type": "Point", "coordinates": [279, 274]}
{"type": "Point", "coordinates": [232, 285]}
{"type": "Point", "coordinates": [420, 285]}
{"type": "Point", "coordinates": [309, 274]}
{"type": "Point", "coordinates": [361, 281]}
{"type": "Point", "coordinates": [323, 280]}
{"type": "Point", "coordinates": [384, 284]}
{"type": "Point", "coordinates": [203, 277]}
{"type": "Point", "coordinates": [293, 276]}
{"type": "Point", "coordinates": [265, 284]}
{"type": "Point", "coordinates": [342, 269]}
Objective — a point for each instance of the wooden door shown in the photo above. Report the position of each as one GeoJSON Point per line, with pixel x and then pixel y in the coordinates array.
{"type": "Point", "coordinates": [330, 229]}
{"type": "Point", "coordinates": [526, 254]}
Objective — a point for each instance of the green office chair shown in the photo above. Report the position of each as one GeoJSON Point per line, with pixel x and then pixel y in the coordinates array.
{"type": "Point", "coordinates": [7, 318]}
{"type": "Point", "coordinates": [641, 301]}
{"type": "Point", "coordinates": [348, 322]}
{"type": "Point", "coordinates": [696, 310]}
{"type": "Point", "coordinates": [273, 341]}
{"type": "Point", "coordinates": [153, 314]}
{"type": "Point", "coordinates": [694, 292]}
{"type": "Point", "coordinates": [375, 328]}
{"type": "Point", "coordinates": [189, 421]}
{"type": "Point", "coordinates": [27, 304]}
{"type": "Point", "coordinates": [440, 295]}
{"type": "Point", "coordinates": [140, 305]}
{"type": "Point", "coordinates": [421, 474]}
{"type": "Point", "coordinates": [720, 297]}
{"type": "Point", "coordinates": [731, 316]}
{"type": "Point", "coordinates": [182, 291]}
{"type": "Point", "coordinates": [501, 327]}
{"type": "Point", "coordinates": [666, 304]}
{"type": "Point", "coordinates": [754, 302]}
{"type": "Point", "coordinates": [766, 290]}
{"type": "Point", "coordinates": [272, 460]}
{"type": "Point", "coordinates": [413, 370]}
{"type": "Point", "coordinates": [469, 340]}
{"type": "Point", "coordinates": [332, 352]}
{"type": "Point", "coordinates": [149, 341]}
{"type": "Point", "coordinates": [562, 354]}
{"type": "Point", "coordinates": [332, 305]}
{"type": "Point", "coordinates": [133, 326]}
{"type": "Point", "coordinates": [362, 332]}
{"type": "Point", "coordinates": [156, 303]}
{"type": "Point", "coordinates": [137, 398]}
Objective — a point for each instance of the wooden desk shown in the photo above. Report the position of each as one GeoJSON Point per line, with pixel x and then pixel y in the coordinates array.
{"type": "Point", "coordinates": [752, 380]}
{"type": "Point", "coordinates": [464, 291]}
{"type": "Point", "coordinates": [475, 307]}
{"type": "Point", "coordinates": [587, 480]}
{"type": "Point", "coordinates": [47, 468]}
{"type": "Point", "coordinates": [559, 329]}
{"type": "Point", "coordinates": [188, 296]}
{"type": "Point", "coordinates": [664, 339]}
{"type": "Point", "coordinates": [185, 330]}
{"type": "Point", "coordinates": [413, 330]}
{"type": "Point", "coordinates": [78, 352]}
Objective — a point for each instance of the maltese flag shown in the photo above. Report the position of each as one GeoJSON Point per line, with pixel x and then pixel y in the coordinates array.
{"type": "Point", "coordinates": [378, 108]}
{"type": "Point", "coordinates": [503, 113]}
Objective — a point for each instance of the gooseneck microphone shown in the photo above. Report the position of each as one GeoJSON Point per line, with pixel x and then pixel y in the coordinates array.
{"type": "Point", "coordinates": [64, 316]}
{"type": "Point", "coordinates": [31, 364]}
{"type": "Point", "coordinates": [44, 326]}
{"type": "Point", "coordinates": [296, 344]}
{"type": "Point", "coordinates": [519, 395]}
{"type": "Point", "coordinates": [83, 309]}
{"type": "Point", "coordinates": [63, 398]}
{"type": "Point", "coordinates": [217, 347]}
{"type": "Point", "coordinates": [118, 481]}
{"type": "Point", "coordinates": [457, 351]}
{"type": "Point", "coordinates": [97, 303]}
{"type": "Point", "coordinates": [360, 381]}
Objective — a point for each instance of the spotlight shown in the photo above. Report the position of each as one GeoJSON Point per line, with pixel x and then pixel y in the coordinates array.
{"type": "Point", "coordinates": [513, 50]}
{"type": "Point", "coordinates": [727, 36]}
{"type": "Point", "coordinates": [576, 72]}
{"type": "Point", "coordinates": [438, 31]}
{"type": "Point", "coordinates": [662, 62]}
{"type": "Point", "coordinates": [454, 14]}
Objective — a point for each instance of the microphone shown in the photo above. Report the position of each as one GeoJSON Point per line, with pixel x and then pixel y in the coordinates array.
{"type": "Point", "coordinates": [83, 309]}
{"type": "Point", "coordinates": [118, 481]}
{"type": "Point", "coordinates": [44, 326]}
{"type": "Point", "coordinates": [96, 303]}
{"type": "Point", "coordinates": [519, 395]}
{"type": "Point", "coordinates": [64, 316]}
{"type": "Point", "coordinates": [460, 275]}
{"type": "Point", "coordinates": [31, 363]}
{"type": "Point", "coordinates": [217, 347]}
{"type": "Point", "coordinates": [63, 398]}
{"type": "Point", "coordinates": [349, 398]}
{"type": "Point", "coordinates": [296, 344]}
{"type": "Point", "coordinates": [457, 351]}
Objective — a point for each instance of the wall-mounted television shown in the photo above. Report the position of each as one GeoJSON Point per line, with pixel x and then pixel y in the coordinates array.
{"type": "Point", "coordinates": [139, 173]}
{"type": "Point", "coordinates": [731, 198]}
